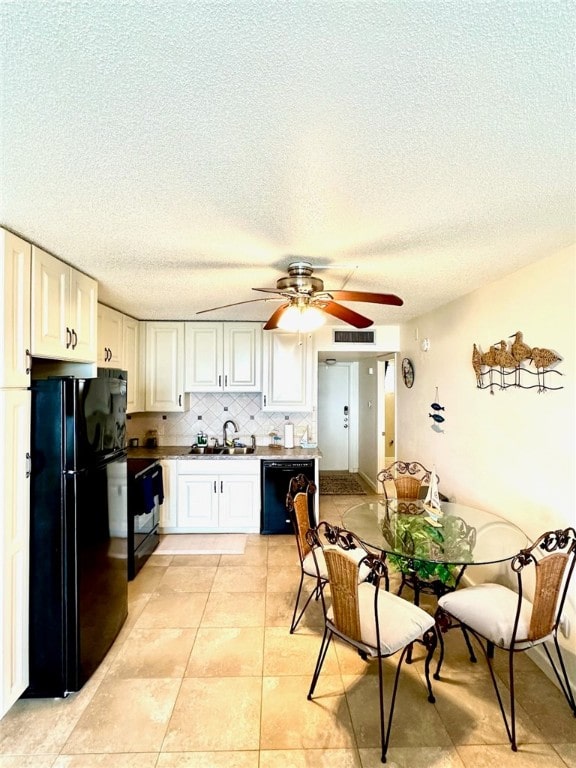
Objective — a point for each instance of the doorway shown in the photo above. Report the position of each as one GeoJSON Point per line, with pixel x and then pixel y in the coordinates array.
{"type": "Point", "coordinates": [334, 415]}
{"type": "Point", "coordinates": [387, 410]}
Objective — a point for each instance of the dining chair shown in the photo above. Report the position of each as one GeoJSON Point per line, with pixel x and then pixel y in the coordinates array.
{"type": "Point", "coordinates": [404, 480]}
{"type": "Point", "coordinates": [374, 621]}
{"type": "Point", "coordinates": [312, 566]}
{"type": "Point", "coordinates": [517, 619]}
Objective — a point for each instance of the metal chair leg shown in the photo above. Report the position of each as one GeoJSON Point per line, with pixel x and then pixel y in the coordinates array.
{"type": "Point", "coordinates": [320, 661]}
{"type": "Point", "coordinates": [563, 680]}
{"type": "Point", "coordinates": [315, 594]}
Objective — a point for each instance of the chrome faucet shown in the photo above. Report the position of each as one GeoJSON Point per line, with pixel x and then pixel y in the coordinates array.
{"type": "Point", "coordinates": [225, 440]}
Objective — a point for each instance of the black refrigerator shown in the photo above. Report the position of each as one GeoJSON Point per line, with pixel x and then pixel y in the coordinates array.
{"type": "Point", "coordinates": [78, 525]}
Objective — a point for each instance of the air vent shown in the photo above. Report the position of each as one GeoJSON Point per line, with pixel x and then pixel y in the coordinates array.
{"type": "Point", "coordinates": [354, 337]}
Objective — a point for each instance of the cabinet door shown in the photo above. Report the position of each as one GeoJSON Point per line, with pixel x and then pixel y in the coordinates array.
{"type": "Point", "coordinates": [164, 366]}
{"type": "Point", "coordinates": [239, 503]}
{"type": "Point", "coordinates": [83, 316]}
{"type": "Point", "coordinates": [288, 368]}
{"type": "Point", "coordinates": [242, 357]}
{"type": "Point", "coordinates": [51, 335]}
{"type": "Point", "coordinates": [131, 364]}
{"type": "Point", "coordinates": [198, 497]}
{"type": "Point", "coordinates": [15, 264]}
{"type": "Point", "coordinates": [110, 338]}
{"type": "Point", "coordinates": [14, 543]}
{"type": "Point", "coordinates": [203, 357]}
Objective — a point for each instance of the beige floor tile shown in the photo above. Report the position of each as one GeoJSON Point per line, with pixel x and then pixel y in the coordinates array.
{"type": "Point", "coordinates": [213, 714]}
{"type": "Point", "coordinates": [240, 578]}
{"type": "Point", "coordinates": [234, 609]}
{"type": "Point", "coordinates": [309, 758]}
{"type": "Point", "coordinates": [501, 756]}
{"type": "Point", "coordinates": [253, 555]}
{"type": "Point", "coordinates": [27, 761]}
{"type": "Point", "coordinates": [125, 716]}
{"type": "Point", "coordinates": [227, 652]}
{"type": "Point", "coordinates": [568, 753]}
{"type": "Point", "coordinates": [159, 561]}
{"type": "Point", "coordinates": [280, 607]}
{"type": "Point", "coordinates": [290, 721]}
{"type": "Point", "coordinates": [155, 653]}
{"type": "Point", "coordinates": [280, 556]}
{"type": "Point", "coordinates": [137, 760]}
{"type": "Point", "coordinates": [284, 578]}
{"type": "Point", "coordinates": [362, 696]}
{"type": "Point", "coordinates": [281, 540]}
{"type": "Point", "coordinates": [187, 578]}
{"type": "Point", "coordinates": [286, 654]}
{"type": "Point", "coordinates": [184, 609]}
{"type": "Point", "coordinates": [208, 760]}
{"type": "Point", "coordinates": [412, 757]}
{"type": "Point", "coordinates": [196, 561]}
{"type": "Point", "coordinates": [146, 582]}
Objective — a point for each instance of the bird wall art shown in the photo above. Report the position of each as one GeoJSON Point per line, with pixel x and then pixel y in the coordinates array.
{"type": "Point", "coordinates": [515, 364]}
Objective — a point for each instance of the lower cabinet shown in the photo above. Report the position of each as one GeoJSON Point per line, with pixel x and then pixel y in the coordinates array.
{"type": "Point", "coordinates": [221, 496]}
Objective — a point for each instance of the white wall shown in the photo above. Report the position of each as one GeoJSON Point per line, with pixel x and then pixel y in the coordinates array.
{"type": "Point", "coordinates": [512, 452]}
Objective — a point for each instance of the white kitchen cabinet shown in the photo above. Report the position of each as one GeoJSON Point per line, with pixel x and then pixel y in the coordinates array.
{"type": "Point", "coordinates": [223, 357]}
{"type": "Point", "coordinates": [220, 496]}
{"type": "Point", "coordinates": [131, 364]}
{"type": "Point", "coordinates": [14, 543]}
{"type": "Point", "coordinates": [165, 367]}
{"type": "Point", "coordinates": [288, 372]}
{"type": "Point", "coordinates": [110, 337]}
{"type": "Point", "coordinates": [15, 261]}
{"type": "Point", "coordinates": [64, 310]}
{"type": "Point", "coordinates": [169, 509]}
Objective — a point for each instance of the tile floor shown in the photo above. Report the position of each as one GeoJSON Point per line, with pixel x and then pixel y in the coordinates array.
{"type": "Point", "coordinates": [206, 675]}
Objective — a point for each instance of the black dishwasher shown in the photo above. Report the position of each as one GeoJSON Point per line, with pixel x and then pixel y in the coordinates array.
{"type": "Point", "coordinates": [276, 476]}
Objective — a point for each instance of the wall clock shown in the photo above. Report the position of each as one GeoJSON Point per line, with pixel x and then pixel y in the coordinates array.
{"type": "Point", "coordinates": [407, 372]}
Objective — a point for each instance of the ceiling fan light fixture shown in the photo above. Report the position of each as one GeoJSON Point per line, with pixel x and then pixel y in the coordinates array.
{"type": "Point", "coordinates": [299, 319]}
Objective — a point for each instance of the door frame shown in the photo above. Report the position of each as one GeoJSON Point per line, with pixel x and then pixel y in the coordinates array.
{"type": "Point", "coordinates": [352, 367]}
{"type": "Point", "coordinates": [381, 412]}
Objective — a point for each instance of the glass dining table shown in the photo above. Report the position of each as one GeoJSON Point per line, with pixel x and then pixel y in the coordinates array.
{"type": "Point", "coordinates": [432, 550]}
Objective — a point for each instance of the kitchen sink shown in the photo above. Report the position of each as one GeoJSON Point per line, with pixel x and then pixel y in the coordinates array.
{"type": "Point", "coordinates": [219, 450]}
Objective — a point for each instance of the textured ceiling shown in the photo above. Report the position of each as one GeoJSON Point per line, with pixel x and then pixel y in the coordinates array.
{"type": "Point", "coordinates": [183, 152]}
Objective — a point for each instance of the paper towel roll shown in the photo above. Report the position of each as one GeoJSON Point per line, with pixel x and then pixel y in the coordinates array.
{"type": "Point", "coordinates": [288, 435]}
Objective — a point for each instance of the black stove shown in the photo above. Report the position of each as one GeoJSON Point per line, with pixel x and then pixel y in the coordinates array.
{"type": "Point", "coordinates": [145, 496]}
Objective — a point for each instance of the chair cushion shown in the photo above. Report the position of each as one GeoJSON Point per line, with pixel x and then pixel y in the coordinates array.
{"type": "Point", "coordinates": [400, 622]}
{"type": "Point", "coordinates": [490, 610]}
{"type": "Point", "coordinates": [309, 566]}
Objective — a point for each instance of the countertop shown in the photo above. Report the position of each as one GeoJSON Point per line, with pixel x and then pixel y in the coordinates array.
{"type": "Point", "coordinates": [261, 452]}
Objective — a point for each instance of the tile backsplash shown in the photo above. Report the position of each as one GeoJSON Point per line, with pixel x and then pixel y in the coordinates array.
{"type": "Point", "coordinates": [209, 411]}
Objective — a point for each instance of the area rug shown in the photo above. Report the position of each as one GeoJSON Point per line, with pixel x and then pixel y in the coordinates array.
{"type": "Point", "coordinates": [340, 484]}
{"type": "Point", "coordinates": [201, 544]}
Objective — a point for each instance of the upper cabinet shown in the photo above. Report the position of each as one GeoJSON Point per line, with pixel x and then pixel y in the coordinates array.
{"type": "Point", "coordinates": [15, 255]}
{"type": "Point", "coordinates": [110, 337]}
{"type": "Point", "coordinates": [223, 357]}
{"type": "Point", "coordinates": [119, 347]}
{"type": "Point", "coordinates": [64, 311]}
{"type": "Point", "coordinates": [164, 367]}
{"type": "Point", "coordinates": [288, 372]}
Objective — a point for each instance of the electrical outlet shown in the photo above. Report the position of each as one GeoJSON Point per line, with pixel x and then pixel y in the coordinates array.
{"type": "Point", "coordinates": [565, 626]}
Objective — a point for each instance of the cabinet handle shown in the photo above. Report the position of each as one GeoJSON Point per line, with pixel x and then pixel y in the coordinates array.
{"type": "Point", "coordinates": [179, 399]}
{"type": "Point", "coordinates": [68, 338]}
{"type": "Point", "coordinates": [28, 361]}
{"type": "Point", "coordinates": [264, 399]}
{"type": "Point", "coordinates": [220, 380]}
{"type": "Point", "coordinates": [221, 486]}
{"type": "Point", "coordinates": [75, 338]}
{"type": "Point", "coordinates": [109, 354]}
{"type": "Point", "coordinates": [226, 380]}
{"type": "Point", "coordinates": [215, 486]}
{"type": "Point", "coordinates": [28, 464]}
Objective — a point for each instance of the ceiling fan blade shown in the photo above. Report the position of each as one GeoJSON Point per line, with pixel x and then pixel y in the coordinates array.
{"type": "Point", "coordinates": [375, 298]}
{"type": "Point", "coordinates": [235, 304]}
{"type": "Point", "coordinates": [275, 316]}
{"type": "Point", "coordinates": [286, 292]}
{"type": "Point", "coordinates": [348, 315]}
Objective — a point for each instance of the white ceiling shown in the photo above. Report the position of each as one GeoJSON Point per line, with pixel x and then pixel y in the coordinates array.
{"type": "Point", "coordinates": [183, 152]}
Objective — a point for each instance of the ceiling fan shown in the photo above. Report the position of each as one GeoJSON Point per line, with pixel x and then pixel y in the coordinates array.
{"type": "Point", "coordinates": [305, 300]}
